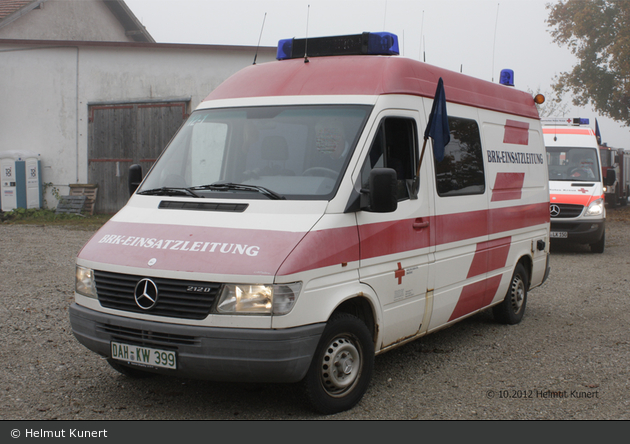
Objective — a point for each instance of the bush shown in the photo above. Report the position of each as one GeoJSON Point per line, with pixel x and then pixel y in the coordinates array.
{"type": "Point", "coordinates": [48, 217]}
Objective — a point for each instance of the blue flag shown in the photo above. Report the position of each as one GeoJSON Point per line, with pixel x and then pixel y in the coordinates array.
{"type": "Point", "coordinates": [597, 133]}
{"type": "Point", "coordinates": [437, 128]}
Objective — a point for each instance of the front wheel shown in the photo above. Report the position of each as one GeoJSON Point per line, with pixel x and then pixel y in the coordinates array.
{"type": "Point", "coordinates": [342, 366]}
{"type": "Point", "coordinates": [512, 309]}
{"type": "Point", "coordinates": [600, 245]}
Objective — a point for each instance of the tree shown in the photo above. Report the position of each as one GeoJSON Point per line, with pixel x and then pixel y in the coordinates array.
{"type": "Point", "coordinates": [554, 105]}
{"type": "Point", "coordinates": [598, 33]}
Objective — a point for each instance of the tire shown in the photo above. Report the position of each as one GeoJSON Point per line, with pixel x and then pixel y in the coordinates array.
{"type": "Point", "coordinates": [131, 372]}
{"type": "Point", "coordinates": [342, 365]}
{"type": "Point", "coordinates": [512, 309]}
{"type": "Point", "coordinates": [598, 247]}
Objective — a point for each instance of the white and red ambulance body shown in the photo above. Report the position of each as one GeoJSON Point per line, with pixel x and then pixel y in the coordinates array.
{"type": "Point", "coordinates": [284, 234]}
{"type": "Point", "coordinates": [576, 188]}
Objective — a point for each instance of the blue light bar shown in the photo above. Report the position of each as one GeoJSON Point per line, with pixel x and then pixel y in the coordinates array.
{"type": "Point", "coordinates": [368, 43]}
{"type": "Point", "coordinates": [507, 77]}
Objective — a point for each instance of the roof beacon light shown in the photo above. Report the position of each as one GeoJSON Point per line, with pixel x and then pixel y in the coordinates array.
{"type": "Point", "coordinates": [507, 77]}
{"type": "Point", "coordinates": [368, 43]}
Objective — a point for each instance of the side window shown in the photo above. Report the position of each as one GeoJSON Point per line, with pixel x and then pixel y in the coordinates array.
{"type": "Point", "coordinates": [393, 147]}
{"type": "Point", "coordinates": [461, 171]}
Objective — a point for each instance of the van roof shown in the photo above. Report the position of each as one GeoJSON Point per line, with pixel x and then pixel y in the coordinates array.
{"type": "Point", "coordinates": [370, 75]}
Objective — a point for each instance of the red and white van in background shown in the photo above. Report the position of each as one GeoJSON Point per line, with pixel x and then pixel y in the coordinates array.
{"type": "Point", "coordinates": [290, 231]}
{"type": "Point", "coordinates": [576, 187]}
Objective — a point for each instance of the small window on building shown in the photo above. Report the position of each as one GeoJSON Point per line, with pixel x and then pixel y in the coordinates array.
{"type": "Point", "coordinates": [461, 171]}
{"type": "Point", "coordinates": [394, 147]}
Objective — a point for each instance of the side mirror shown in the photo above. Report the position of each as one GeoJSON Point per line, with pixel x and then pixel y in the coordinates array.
{"type": "Point", "coordinates": [135, 177]}
{"type": "Point", "coordinates": [382, 192]}
{"type": "Point", "coordinates": [611, 177]}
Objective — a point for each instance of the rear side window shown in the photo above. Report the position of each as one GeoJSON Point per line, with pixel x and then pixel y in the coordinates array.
{"type": "Point", "coordinates": [461, 171]}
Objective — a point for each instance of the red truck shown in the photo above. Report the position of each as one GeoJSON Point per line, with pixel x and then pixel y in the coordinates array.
{"type": "Point", "coordinates": [616, 173]}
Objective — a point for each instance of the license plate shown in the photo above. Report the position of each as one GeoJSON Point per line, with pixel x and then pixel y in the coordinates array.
{"type": "Point", "coordinates": [558, 234]}
{"type": "Point", "coordinates": [145, 356]}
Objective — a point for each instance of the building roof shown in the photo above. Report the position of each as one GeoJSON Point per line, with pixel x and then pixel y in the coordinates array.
{"type": "Point", "coordinates": [11, 10]}
{"type": "Point", "coordinates": [8, 7]}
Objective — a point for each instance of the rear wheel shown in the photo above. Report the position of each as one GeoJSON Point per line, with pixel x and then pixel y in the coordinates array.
{"type": "Point", "coordinates": [342, 366]}
{"type": "Point", "coordinates": [512, 309]}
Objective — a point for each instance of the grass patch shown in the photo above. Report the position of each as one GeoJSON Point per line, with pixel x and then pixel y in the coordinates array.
{"type": "Point", "coordinates": [48, 217]}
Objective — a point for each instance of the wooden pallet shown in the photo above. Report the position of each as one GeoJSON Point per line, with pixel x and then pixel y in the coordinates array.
{"type": "Point", "coordinates": [87, 190]}
{"type": "Point", "coordinates": [70, 204]}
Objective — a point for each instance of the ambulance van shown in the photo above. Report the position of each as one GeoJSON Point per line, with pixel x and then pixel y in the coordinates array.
{"type": "Point", "coordinates": [576, 187]}
{"type": "Point", "coordinates": [290, 231]}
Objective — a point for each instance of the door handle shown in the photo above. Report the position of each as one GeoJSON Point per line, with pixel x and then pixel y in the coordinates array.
{"type": "Point", "coordinates": [419, 224]}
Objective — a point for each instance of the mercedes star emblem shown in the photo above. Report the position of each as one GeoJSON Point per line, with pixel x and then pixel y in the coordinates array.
{"type": "Point", "coordinates": [554, 210]}
{"type": "Point", "coordinates": [146, 294]}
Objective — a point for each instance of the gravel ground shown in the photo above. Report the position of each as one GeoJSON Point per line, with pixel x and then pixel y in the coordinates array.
{"type": "Point", "coordinates": [568, 359]}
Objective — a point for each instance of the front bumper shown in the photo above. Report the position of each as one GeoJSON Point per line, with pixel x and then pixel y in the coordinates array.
{"type": "Point", "coordinates": [579, 232]}
{"type": "Point", "coordinates": [219, 354]}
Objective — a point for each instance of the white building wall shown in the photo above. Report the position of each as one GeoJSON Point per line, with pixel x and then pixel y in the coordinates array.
{"type": "Point", "coordinates": [45, 91]}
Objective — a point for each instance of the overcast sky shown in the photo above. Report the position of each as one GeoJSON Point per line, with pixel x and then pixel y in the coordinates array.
{"type": "Point", "coordinates": [476, 37]}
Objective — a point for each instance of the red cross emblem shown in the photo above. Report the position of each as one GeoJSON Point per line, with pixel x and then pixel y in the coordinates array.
{"type": "Point", "coordinates": [399, 273]}
{"type": "Point", "coordinates": [583, 191]}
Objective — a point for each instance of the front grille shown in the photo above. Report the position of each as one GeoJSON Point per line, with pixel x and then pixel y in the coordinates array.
{"type": "Point", "coordinates": [146, 338]}
{"type": "Point", "coordinates": [116, 291]}
{"type": "Point", "coordinates": [568, 210]}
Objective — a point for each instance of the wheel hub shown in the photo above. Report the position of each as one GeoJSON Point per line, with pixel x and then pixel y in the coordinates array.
{"type": "Point", "coordinates": [340, 366]}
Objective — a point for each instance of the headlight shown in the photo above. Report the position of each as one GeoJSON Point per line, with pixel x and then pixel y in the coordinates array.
{"type": "Point", "coordinates": [258, 299]}
{"type": "Point", "coordinates": [84, 282]}
{"type": "Point", "coordinates": [596, 208]}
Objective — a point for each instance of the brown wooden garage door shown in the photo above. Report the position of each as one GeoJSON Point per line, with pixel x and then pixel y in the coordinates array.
{"type": "Point", "coordinates": [121, 135]}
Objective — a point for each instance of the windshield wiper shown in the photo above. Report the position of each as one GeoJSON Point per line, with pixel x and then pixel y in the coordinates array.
{"type": "Point", "coordinates": [170, 191]}
{"type": "Point", "coordinates": [240, 187]}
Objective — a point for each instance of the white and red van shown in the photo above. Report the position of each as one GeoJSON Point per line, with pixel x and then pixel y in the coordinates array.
{"type": "Point", "coordinates": [576, 187]}
{"type": "Point", "coordinates": [289, 231]}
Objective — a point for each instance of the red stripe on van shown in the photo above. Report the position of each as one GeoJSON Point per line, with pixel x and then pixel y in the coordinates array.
{"type": "Point", "coordinates": [490, 256]}
{"type": "Point", "coordinates": [476, 296]}
{"type": "Point", "coordinates": [321, 249]}
{"type": "Point", "coordinates": [232, 251]}
{"type": "Point", "coordinates": [573, 199]}
{"type": "Point", "coordinates": [558, 130]}
{"type": "Point", "coordinates": [516, 132]}
{"type": "Point", "coordinates": [392, 237]}
{"type": "Point", "coordinates": [508, 186]}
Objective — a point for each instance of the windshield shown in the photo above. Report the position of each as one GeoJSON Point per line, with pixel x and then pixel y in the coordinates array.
{"type": "Point", "coordinates": [573, 164]}
{"type": "Point", "coordinates": [287, 152]}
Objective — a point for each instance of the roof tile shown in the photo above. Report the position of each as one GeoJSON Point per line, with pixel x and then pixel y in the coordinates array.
{"type": "Point", "coordinates": [8, 7]}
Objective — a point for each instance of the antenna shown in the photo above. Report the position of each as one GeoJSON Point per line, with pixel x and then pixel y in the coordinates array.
{"type": "Point", "coordinates": [259, 38]}
{"type": "Point", "coordinates": [384, 16]}
{"type": "Point", "coordinates": [424, 51]}
{"type": "Point", "coordinates": [494, 43]}
{"type": "Point", "coordinates": [421, 34]}
{"type": "Point", "coordinates": [308, 11]}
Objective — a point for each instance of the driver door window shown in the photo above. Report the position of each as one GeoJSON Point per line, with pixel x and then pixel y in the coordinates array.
{"type": "Point", "coordinates": [394, 147]}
